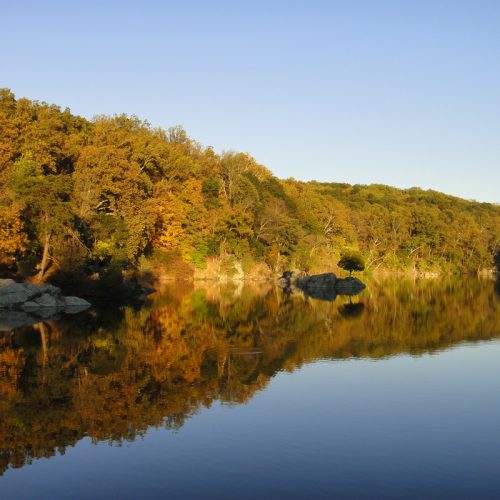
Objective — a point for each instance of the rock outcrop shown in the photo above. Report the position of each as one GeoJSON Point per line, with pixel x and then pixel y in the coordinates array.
{"type": "Point", "coordinates": [326, 280]}
{"type": "Point", "coordinates": [349, 286]}
{"type": "Point", "coordinates": [318, 286]}
{"type": "Point", "coordinates": [321, 286]}
{"type": "Point", "coordinates": [41, 301]}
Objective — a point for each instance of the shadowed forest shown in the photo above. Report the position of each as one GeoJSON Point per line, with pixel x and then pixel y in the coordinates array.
{"type": "Point", "coordinates": [112, 374]}
{"type": "Point", "coordinates": [115, 196]}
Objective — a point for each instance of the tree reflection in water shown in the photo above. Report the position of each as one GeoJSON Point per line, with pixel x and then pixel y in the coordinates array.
{"type": "Point", "coordinates": [111, 375]}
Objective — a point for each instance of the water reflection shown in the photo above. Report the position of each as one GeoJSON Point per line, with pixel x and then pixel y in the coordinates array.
{"type": "Point", "coordinates": [112, 374]}
{"type": "Point", "coordinates": [351, 310]}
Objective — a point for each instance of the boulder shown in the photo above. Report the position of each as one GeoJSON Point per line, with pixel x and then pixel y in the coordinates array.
{"type": "Point", "coordinates": [327, 294]}
{"type": "Point", "coordinates": [349, 286]}
{"type": "Point", "coordinates": [14, 295]}
{"type": "Point", "coordinates": [32, 290]}
{"type": "Point", "coordinates": [45, 313]}
{"type": "Point", "coordinates": [75, 302]}
{"type": "Point", "coordinates": [30, 305]}
{"type": "Point", "coordinates": [46, 300]}
{"type": "Point", "coordinates": [326, 280]}
{"type": "Point", "coordinates": [6, 282]}
{"type": "Point", "coordinates": [318, 286]}
{"type": "Point", "coordinates": [23, 304]}
{"type": "Point", "coordinates": [327, 286]}
{"type": "Point", "coordinates": [50, 289]}
{"type": "Point", "coordinates": [14, 319]}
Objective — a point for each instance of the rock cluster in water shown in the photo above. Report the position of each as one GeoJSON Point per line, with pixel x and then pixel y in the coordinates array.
{"type": "Point", "coordinates": [322, 286]}
{"type": "Point", "coordinates": [24, 303]}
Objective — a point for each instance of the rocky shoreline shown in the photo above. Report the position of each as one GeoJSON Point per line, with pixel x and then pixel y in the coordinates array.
{"type": "Point", "coordinates": [23, 304]}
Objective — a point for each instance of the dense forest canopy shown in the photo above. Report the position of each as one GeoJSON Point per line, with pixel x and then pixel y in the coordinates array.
{"type": "Point", "coordinates": [115, 194]}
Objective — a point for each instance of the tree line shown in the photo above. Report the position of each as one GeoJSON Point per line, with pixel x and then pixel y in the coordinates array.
{"type": "Point", "coordinates": [116, 195]}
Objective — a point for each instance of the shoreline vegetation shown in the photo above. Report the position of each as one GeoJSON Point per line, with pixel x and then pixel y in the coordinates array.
{"type": "Point", "coordinates": [116, 204]}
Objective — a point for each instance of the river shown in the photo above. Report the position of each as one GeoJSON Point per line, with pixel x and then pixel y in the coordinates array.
{"type": "Point", "coordinates": [242, 391]}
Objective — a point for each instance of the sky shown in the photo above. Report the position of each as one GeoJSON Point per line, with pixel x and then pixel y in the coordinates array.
{"type": "Point", "coordinates": [405, 93]}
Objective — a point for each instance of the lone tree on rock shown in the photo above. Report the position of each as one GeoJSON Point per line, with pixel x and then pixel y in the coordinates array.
{"type": "Point", "coordinates": [351, 260]}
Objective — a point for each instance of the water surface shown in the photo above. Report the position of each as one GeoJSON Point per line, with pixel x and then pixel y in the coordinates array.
{"type": "Point", "coordinates": [245, 391]}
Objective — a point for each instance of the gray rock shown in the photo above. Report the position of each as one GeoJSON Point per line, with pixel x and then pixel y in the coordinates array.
{"type": "Point", "coordinates": [51, 290]}
{"type": "Point", "coordinates": [13, 295]}
{"type": "Point", "coordinates": [14, 319]}
{"type": "Point", "coordinates": [30, 305]}
{"type": "Point", "coordinates": [45, 313]}
{"type": "Point", "coordinates": [49, 301]}
{"type": "Point", "coordinates": [326, 280]}
{"type": "Point", "coordinates": [327, 286]}
{"type": "Point", "coordinates": [349, 286]}
{"type": "Point", "coordinates": [74, 309]}
{"type": "Point", "coordinates": [321, 293]}
{"type": "Point", "coordinates": [32, 290]}
{"type": "Point", "coordinates": [6, 282]}
{"type": "Point", "coordinates": [40, 301]}
{"type": "Point", "coordinates": [318, 286]}
{"type": "Point", "coordinates": [75, 302]}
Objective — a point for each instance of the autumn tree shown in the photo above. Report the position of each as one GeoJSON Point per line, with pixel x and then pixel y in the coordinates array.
{"type": "Point", "coordinates": [13, 239]}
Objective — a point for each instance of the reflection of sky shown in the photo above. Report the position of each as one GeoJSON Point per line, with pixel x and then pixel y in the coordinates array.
{"type": "Point", "coordinates": [402, 426]}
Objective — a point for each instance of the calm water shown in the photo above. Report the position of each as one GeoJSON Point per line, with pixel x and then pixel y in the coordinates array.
{"type": "Point", "coordinates": [243, 392]}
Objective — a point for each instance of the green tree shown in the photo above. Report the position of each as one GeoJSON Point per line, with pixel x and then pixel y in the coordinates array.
{"type": "Point", "coordinates": [351, 260]}
{"type": "Point", "coordinates": [210, 189]}
{"type": "Point", "coordinates": [45, 200]}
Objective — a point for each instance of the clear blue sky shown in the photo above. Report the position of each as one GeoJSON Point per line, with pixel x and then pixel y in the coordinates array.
{"type": "Point", "coordinates": [403, 92]}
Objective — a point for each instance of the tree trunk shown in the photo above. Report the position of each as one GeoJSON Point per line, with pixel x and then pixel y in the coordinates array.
{"type": "Point", "coordinates": [42, 328]}
{"type": "Point", "coordinates": [45, 257]}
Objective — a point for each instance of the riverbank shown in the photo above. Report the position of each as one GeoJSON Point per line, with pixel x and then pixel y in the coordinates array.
{"type": "Point", "coordinates": [263, 274]}
{"type": "Point", "coordinates": [134, 286]}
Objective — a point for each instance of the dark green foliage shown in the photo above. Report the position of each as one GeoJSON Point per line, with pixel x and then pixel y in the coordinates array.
{"type": "Point", "coordinates": [351, 260]}
{"type": "Point", "coordinates": [112, 276]}
{"type": "Point", "coordinates": [274, 187]}
{"type": "Point", "coordinates": [210, 189]}
{"type": "Point", "coordinates": [257, 184]}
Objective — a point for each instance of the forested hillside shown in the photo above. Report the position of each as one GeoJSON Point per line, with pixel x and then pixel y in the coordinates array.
{"type": "Point", "coordinates": [95, 198]}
